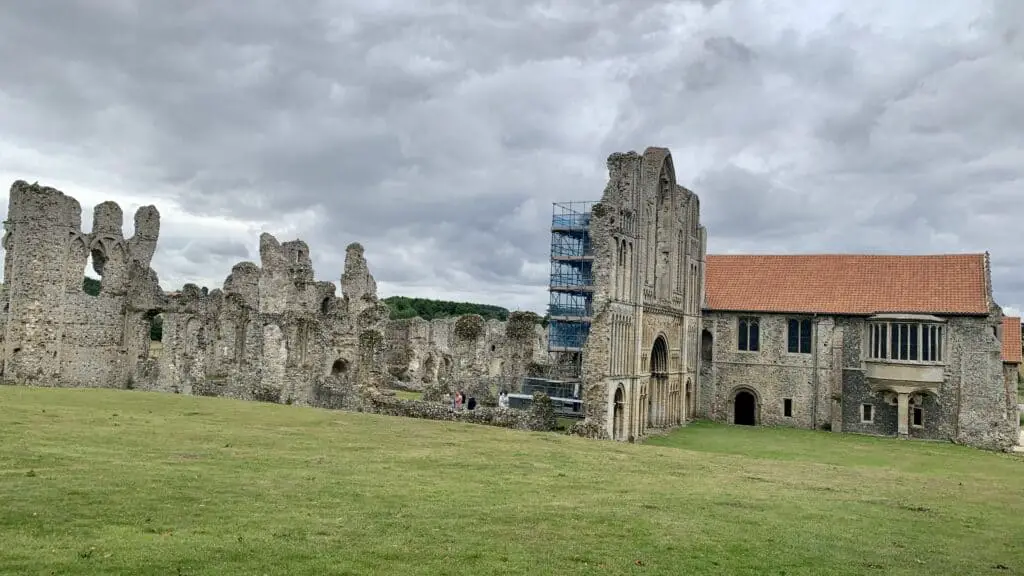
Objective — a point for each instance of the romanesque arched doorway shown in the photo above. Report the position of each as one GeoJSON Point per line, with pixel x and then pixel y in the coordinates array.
{"type": "Point", "coordinates": [745, 408]}
{"type": "Point", "coordinates": [618, 414]}
{"type": "Point", "coordinates": [688, 406]}
{"type": "Point", "coordinates": [658, 389]}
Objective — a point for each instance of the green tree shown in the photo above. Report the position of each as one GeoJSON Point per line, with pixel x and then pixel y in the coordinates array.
{"type": "Point", "coordinates": [91, 286]}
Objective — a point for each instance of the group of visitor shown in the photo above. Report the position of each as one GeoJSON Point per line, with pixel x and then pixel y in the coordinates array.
{"type": "Point", "coordinates": [462, 402]}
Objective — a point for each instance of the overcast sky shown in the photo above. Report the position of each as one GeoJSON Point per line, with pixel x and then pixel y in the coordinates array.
{"type": "Point", "coordinates": [438, 135]}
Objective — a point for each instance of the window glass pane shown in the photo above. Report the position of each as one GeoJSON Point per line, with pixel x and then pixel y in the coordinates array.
{"type": "Point", "coordinates": [793, 336]}
{"type": "Point", "coordinates": [938, 343]}
{"type": "Point", "coordinates": [883, 341]}
{"type": "Point", "coordinates": [755, 336]}
{"type": "Point", "coordinates": [743, 335]}
{"type": "Point", "coordinates": [805, 336]}
{"type": "Point", "coordinates": [914, 333]}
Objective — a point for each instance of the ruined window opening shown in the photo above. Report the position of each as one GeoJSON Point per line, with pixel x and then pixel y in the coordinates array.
{"type": "Point", "coordinates": [493, 347]}
{"type": "Point", "coordinates": [918, 420]}
{"type": "Point", "coordinates": [787, 407]}
{"type": "Point", "coordinates": [867, 413]}
{"type": "Point", "coordinates": [92, 277]}
{"type": "Point", "coordinates": [339, 367]}
{"type": "Point", "coordinates": [799, 336]}
{"type": "Point", "coordinates": [325, 306]}
{"type": "Point", "coordinates": [156, 336]}
{"type": "Point", "coordinates": [240, 331]}
{"type": "Point", "coordinates": [749, 334]}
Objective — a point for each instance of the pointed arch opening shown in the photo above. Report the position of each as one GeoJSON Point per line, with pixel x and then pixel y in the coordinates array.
{"type": "Point", "coordinates": [619, 414]}
{"type": "Point", "coordinates": [658, 387]}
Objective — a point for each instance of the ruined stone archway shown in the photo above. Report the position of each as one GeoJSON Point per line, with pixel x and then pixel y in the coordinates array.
{"type": "Point", "coordinates": [619, 414]}
{"type": "Point", "coordinates": [745, 408]}
{"type": "Point", "coordinates": [657, 391]}
{"type": "Point", "coordinates": [339, 367]}
{"type": "Point", "coordinates": [154, 334]}
{"type": "Point", "coordinates": [689, 407]}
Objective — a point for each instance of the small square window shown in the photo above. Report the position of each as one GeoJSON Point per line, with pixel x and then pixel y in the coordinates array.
{"type": "Point", "coordinates": [787, 407]}
{"type": "Point", "coordinates": [918, 417]}
{"type": "Point", "coordinates": [867, 413]}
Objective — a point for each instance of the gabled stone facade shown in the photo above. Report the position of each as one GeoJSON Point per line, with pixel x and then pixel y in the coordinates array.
{"type": "Point", "coordinates": [640, 360]}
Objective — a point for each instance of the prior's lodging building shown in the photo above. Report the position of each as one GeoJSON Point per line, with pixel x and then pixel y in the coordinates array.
{"type": "Point", "coordinates": [908, 346]}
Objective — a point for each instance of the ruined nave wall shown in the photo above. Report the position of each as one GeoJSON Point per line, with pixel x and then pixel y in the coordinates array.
{"type": "Point", "coordinates": [465, 352]}
{"type": "Point", "coordinates": [271, 333]}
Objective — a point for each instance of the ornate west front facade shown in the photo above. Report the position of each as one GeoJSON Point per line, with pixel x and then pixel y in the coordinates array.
{"type": "Point", "coordinates": [908, 346]}
{"type": "Point", "coordinates": [629, 304]}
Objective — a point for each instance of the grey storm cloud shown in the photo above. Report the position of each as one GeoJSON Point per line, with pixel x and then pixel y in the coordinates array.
{"type": "Point", "coordinates": [438, 134]}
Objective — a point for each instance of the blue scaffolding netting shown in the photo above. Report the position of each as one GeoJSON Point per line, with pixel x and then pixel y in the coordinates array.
{"type": "Point", "coordinates": [569, 304]}
{"type": "Point", "coordinates": [572, 279]}
{"type": "Point", "coordinates": [567, 335]}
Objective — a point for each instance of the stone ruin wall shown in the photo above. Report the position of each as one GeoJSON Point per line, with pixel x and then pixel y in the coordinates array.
{"type": "Point", "coordinates": [272, 332]}
{"type": "Point", "coordinates": [465, 353]}
{"type": "Point", "coordinates": [53, 333]}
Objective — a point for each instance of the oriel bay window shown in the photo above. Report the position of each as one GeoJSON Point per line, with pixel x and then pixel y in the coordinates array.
{"type": "Point", "coordinates": [911, 341]}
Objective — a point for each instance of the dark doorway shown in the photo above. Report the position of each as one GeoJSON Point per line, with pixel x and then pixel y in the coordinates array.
{"type": "Point", "coordinates": [618, 418]}
{"type": "Point", "coordinates": [745, 409]}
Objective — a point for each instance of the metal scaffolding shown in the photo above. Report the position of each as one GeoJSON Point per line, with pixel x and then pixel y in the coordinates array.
{"type": "Point", "coordinates": [571, 283]}
{"type": "Point", "coordinates": [571, 287]}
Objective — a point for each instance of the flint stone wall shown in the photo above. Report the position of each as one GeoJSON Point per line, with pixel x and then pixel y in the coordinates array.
{"type": "Point", "coordinates": [271, 333]}
{"type": "Point", "coordinates": [466, 353]}
{"type": "Point", "coordinates": [540, 416]}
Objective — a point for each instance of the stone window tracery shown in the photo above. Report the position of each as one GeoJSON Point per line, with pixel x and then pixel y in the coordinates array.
{"type": "Point", "coordinates": [749, 334]}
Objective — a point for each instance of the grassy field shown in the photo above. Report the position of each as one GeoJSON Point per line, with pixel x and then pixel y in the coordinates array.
{"type": "Point", "coordinates": [408, 395]}
{"type": "Point", "coordinates": [123, 482]}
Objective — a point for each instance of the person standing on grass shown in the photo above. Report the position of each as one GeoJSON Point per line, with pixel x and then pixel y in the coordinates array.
{"type": "Point", "coordinates": [458, 401]}
{"type": "Point", "coordinates": [503, 399]}
{"type": "Point", "coordinates": [472, 403]}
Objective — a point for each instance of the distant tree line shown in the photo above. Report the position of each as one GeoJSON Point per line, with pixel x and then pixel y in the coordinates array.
{"type": "Point", "coordinates": [403, 307]}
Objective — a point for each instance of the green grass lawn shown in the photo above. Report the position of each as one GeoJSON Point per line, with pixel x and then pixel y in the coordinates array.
{"type": "Point", "coordinates": [408, 395]}
{"type": "Point", "coordinates": [124, 482]}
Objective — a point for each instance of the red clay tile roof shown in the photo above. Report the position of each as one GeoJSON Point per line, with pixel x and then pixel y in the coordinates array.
{"type": "Point", "coordinates": [1011, 340]}
{"type": "Point", "coordinates": [851, 284]}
